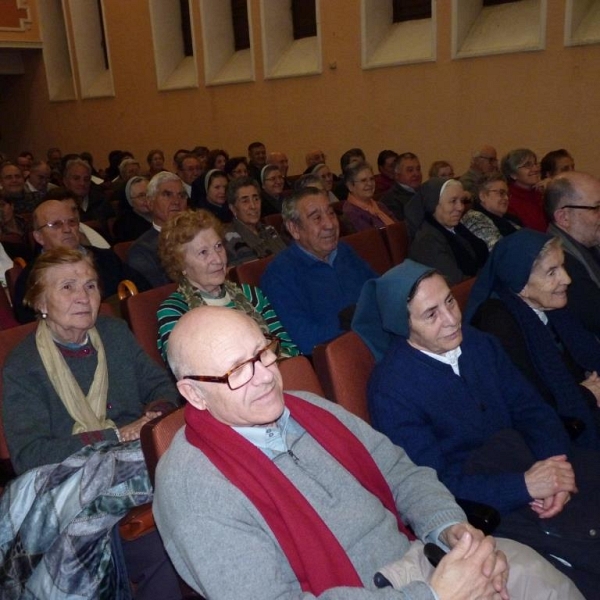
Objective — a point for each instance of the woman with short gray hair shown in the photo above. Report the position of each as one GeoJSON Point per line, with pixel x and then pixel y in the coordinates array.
{"type": "Point", "coordinates": [522, 171]}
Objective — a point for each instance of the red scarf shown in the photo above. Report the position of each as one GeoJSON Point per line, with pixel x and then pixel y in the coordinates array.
{"type": "Point", "coordinates": [315, 555]}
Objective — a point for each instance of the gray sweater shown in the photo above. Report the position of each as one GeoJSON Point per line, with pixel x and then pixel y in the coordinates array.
{"type": "Point", "coordinates": [223, 548]}
{"type": "Point", "coordinates": [36, 423]}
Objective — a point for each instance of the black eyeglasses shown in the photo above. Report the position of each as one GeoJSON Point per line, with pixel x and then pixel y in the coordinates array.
{"type": "Point", "coordinates": [595, 208]}
{"type": "Point", "coordinates": [59, 223]}
{"type": "Point", "coordinates": [239, 376]}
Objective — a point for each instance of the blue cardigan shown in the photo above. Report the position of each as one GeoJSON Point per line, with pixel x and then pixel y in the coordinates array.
{"type": "Point", "coordinates": [307, 294]}
{"type": "Point", "coordinates": [440, 418]}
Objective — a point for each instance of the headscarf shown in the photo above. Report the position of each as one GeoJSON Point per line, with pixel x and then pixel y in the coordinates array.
{"type": "Point", "coordinates": [130, 183]}
{"type": "Point", "coordinates": [382, 310]}
{"type": "Point", "coordinates": [425, 201]}
{"type": "Point", "coordinates": [207, 177]}
{"type": "Point", "coordinates": [505, 274]}
{"type": "Point", "coordinates": [507, 268]}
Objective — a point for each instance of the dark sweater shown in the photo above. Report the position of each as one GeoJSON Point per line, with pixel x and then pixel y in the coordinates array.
{"type": "Point", "coordinates": [308, 294]}
{"type": "Point", "coordinates": [38, 427]}
{"type": "Point", "coordinates": [441, 419]}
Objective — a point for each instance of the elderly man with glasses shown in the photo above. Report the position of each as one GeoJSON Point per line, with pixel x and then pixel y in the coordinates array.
{"type": "Point", "coordinates": [56, 225]}
{"type": "Point", "coordinates": [266, 494]}
{"type": "Point", "coordinates": [483, 162]}
{"type": "Point", "coordinates": [572, 206]}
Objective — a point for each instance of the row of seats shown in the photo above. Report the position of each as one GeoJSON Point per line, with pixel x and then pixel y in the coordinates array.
{"type": "Point", "coordinates": [343, 381]}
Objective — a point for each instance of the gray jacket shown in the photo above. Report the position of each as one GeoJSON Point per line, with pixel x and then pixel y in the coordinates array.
{"type": "Point", "coordinates": [223, 548]}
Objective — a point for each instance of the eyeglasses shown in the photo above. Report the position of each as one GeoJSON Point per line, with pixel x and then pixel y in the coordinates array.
{"type": "Point", "coordinates": [364, 180]}
{"type": "Point", "coordinates": [501, 193]}
{"type": "Point", "coordinates": [59, 223]}
{"type": "Point", "coordinates": [530, 164]}
{"type": "Point", "coordinates": [491, 159]}
{"type": "Point", "coordinates": [595, 208]}
{"type": "Point", "coordinates": [169, 194]}
{"type": "Point", "coordinates": [242, 374]}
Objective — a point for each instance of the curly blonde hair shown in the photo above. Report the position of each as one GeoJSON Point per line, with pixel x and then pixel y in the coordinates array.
{"type": "Point", "coordinates": [180, 230]}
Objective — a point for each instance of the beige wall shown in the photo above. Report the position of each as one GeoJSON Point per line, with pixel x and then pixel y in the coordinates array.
{"type": "Point", "coordinates": [442, 110]}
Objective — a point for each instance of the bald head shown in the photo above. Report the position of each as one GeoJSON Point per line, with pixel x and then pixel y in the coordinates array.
{"type": "Point", "coordinates": [572, 203]}
{"type": "Point", "coordinates": [485, 160]}
{"type": "Point", "coordinates": [214, 341]}
{"type": "Point", "coordinates": [56, 224]}
{"type": "Point", "coordinates": [199, 332]}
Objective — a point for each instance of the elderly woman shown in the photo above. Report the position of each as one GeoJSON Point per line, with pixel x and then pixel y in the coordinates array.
{"type": "Point", "coordinates": [488, 219]}
{"type": "Point", "coordinates": [236, 167]}
{"type": "Point", "coordinates": [246, 237]}
{"type": "Point", "coordinates": [80, 378]}
{"type": "Point", "coordinates": [360, 208]}
{"type": "Point", "coordinates": [272, 182]}
{"type": "Point", "coordinates": [522, 171]}
{"type": "Point", "coordinates": [521, 297]}
{"type": "Point", "coordinates": [192, 252]}
{"type": "Point", "coordinates": [441, 241]}
{"type": "Point", "coordinates": [214, 198]}
{"type": "Point", "coordinates": [134, 218]}
{"type": "Point", "coordinates": [450, 397]}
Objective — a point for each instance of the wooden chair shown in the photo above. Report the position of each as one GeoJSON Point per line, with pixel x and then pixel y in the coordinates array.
{"type": "Point", "coordinates": [9, 338]}
{"type": "Point", "coordinates": [461, 292]}
{"type": "Point", "coordinates": [369, 245]}
{"type": "Point", "coordinates": [344, 366]}
{"type": "Point", "coordinates": [121, 249]}
{"type": "Point", "coordinates": [250, 272]}
{"type": "Point", "coordinates": [397, 241]}
{"type": "Point", "coordinates": [140, 312]}
{"type": "Point", "coordinates": [275, 221]}
{"type": "Point", "coordinates": [156, 436]}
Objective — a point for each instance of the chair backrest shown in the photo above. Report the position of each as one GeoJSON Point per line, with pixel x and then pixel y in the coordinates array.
{"type": "Point", "coordinates": [275, 220]}
{"type": "Point", "coordinates": [369, 245]}
{"type": "Point", "coordinates": [250, 272]}
{"type": "Point", "coordinates": [156, 436]}
{"type": "Point", "coordinates": [344, 366]}
{"type": "Point", "coordinates": [140, 312]}
{"type": "Point", "coordinates": [9, 338]}
{"type": "Point", "coordinates": [298, 374]}
{"type": "Point", "coordinates": [397, 241]}
{"type": "Point", "coordinates": [121, 249]}
{"type": "Point", "coordinates": [461, 292]}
